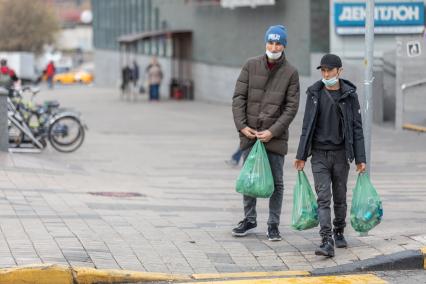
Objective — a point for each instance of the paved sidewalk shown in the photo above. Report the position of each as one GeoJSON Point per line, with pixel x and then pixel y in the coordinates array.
{"type": "Point", "coordinates": [172, 154]}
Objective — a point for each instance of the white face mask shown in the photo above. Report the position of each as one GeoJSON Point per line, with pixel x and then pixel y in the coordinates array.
{"type": "Point", "coordinates": [273, 55]}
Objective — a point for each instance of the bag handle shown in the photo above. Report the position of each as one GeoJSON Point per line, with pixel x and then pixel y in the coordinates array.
{"type": "Point", "coordinates": [299, 176]}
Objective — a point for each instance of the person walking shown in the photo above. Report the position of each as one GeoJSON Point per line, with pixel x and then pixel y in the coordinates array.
{"type": "Point", "coordinates": [50, 73]}
{"type": "Point", "coordinates": [126, 77]}
{"type": "Point", "coordinates": [7, 75]}
{"type": "Point", "coordinates": [332, 133]}
{"type": "Point", "coordinates": [265, 101]}
{"type": "Point", "coordinates": [155, 76]}
{"type": "Point", "coordinates": [135, 78]}
{"type": "Point", "coordinates": [235, 158]}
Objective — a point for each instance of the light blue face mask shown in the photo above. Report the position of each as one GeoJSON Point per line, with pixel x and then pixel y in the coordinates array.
{"type": "Point", "coordinates": [330, 82]}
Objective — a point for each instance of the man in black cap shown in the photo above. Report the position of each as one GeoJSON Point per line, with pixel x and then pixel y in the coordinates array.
{"type": "Point", "coordinates": [332, 133]}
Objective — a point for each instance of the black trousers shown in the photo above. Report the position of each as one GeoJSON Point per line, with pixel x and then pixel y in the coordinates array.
{"type": "Point", "coordinates": [330, 170]}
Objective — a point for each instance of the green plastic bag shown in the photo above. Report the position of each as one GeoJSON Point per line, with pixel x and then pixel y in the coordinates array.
{"type": "Point", "coordinates": [305, 208]}
{"type": "Point", "coordinates": [255, 178]}
{"type": "Point", "coordinates": [366, 208]}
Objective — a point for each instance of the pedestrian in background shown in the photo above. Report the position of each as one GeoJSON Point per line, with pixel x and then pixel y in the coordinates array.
{"type": "Point", "coordinates": [265, 101]}
{"type": "Point", "coordinates": [50, 73]}
{"type": "Point", "coordinates": [135, 77]}
{"type": "Point", "coordinates": [155, 76]}
{"type": "Point", "coordinates": [332, 133]}
{"type": "Point", "coordinates": [126, 77]}
{"type": "Point", "coordinates": [7, 75]}
{"type": "Point", "coordinates": [235, 158]}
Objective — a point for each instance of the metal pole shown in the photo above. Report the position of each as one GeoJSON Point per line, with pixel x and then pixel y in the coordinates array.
{"type": "Point", "coordinates": [4, 132]}
{"type": "Point", "coordinates": [368, 79]}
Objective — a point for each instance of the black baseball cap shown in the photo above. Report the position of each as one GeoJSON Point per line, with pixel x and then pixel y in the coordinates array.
{"type": "Point", "coordinates": [330, 61]}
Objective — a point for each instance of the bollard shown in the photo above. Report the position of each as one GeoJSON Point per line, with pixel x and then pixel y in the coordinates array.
{"type": "Point", "coordinates": [4, 132]}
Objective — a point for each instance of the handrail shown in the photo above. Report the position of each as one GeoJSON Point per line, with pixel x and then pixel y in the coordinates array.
{"type": "Point", "coordinates": [413, 84]}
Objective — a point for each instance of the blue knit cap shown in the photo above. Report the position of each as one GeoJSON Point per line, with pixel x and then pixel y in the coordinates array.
{"type": "Point", "coordinates": [276, 33]}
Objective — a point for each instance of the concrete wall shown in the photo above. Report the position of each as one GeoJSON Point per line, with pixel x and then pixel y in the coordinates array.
{"type": "Point", "coordinates": [389, 85]}
{"type": "Point", "coordinates": [107, 68]}
{"type": "Point", "coordinates": [223, 40]}
{"type": "Point", "coordinates": [410, 103]}
{"type": "Point", "coordinates": [223, 37]}
{"type": "Point", "coordinates": [228, 37]}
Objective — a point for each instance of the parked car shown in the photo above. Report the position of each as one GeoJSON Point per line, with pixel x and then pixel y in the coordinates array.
{"type": "Point", "coordinates": [84, 77]}
{"type": "Point", "coordinates": [71, 77]}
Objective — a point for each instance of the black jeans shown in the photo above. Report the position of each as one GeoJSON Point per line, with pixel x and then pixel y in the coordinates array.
{"type": "Point", "coordinates": [330, 167]}
{"type": "Point", "coordinates": [276, 162]}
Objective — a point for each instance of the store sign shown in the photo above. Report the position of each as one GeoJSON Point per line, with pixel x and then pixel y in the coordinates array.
{"type": "Point", "coordinates": [245, 3]}
{"type": "Point", "coordinates": [389, 18]}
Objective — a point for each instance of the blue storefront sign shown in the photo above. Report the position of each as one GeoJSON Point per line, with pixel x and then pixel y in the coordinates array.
{"type": "Point", "coordinates": [389, 17]}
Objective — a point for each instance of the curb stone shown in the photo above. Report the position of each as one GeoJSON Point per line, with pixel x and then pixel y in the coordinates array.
{"type": "Point", "coordinates": [61, 274]}
{"type": "Point", "coordinates": [405, 260]}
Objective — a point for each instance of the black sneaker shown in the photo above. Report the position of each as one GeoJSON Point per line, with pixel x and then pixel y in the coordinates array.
{"type": "Point", "coordinates": [326, 248]}
{"type": "Point", "coordinates": [243, 228]}
{"type": "Point", "coordinates": [339, 239]}
{"type": "Point", "coordinates": [273, 233]}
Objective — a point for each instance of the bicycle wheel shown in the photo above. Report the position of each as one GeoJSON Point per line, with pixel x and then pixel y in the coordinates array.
{"type": "Point", "coordinates": [66, 134]}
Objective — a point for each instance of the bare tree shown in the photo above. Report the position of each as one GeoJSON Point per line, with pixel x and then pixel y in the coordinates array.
{"type": "Point", "coordinates": [26, 25]}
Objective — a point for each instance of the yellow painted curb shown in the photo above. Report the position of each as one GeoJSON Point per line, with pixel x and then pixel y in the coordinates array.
{"type": "Point", "coordinates": [414, 127]}
{"type": "Point", "coordinates": [423, 249]}
{"type": "Point", "coordinates": [85, 275]}
{"type": "Point", "coordinates": [60, 274]}
{"type": "Point", "coordinates": [250, 274]}
{"type": "Point", "coordinates": [343, 279]}
{"type": "Point", "coordinates": [40, 274]}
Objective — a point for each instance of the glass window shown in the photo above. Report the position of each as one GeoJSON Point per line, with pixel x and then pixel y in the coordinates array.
{"type": "Point", "coordinates": [147, 49]}
{"type": "Point", "coordinates": [169, 47]}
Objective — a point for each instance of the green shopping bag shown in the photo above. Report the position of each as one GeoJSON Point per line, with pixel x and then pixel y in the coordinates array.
{"type": "Point", "coordinates": [305, 208]}
{"type": "Point", "coordinates": [255, 178]}
{"type": "Point", "coordinates": [366, 208]}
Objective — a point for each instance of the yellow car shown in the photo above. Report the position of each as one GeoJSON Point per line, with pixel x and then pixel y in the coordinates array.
{"type": "Point", "coordinates": [64, 78]}
{"type": "Point", "coordinates": [72, 77]}
{"type": "Point", "coordinates": [83, 77]}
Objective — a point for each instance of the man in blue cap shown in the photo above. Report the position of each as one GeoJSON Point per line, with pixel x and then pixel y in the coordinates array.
{"type": "Point", "coordinates": [265, 101]}
{"type": "Point", "coordinates": [332, 133]}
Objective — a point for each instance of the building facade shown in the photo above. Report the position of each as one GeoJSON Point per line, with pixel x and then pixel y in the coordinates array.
{"type": "Point", "coordinates": [399, 33]}
{"type": "Point", "coordinates": [219, 40]}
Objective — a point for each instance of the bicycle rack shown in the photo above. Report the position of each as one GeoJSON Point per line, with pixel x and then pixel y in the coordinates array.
{"type": "Point", "coordinates": [15, 119]}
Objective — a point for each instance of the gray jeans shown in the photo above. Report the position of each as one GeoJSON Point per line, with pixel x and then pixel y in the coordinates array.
{"type": "Point", "coordinates": [330, 167]}
{"type": "Point", "coordinates": [275, 201]}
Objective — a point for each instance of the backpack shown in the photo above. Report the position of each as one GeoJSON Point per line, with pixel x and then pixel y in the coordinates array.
{"type": "Point", "coordinates": [5, 80]}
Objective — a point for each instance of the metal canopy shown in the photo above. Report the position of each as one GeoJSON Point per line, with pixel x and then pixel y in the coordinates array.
{"type": "Point", "coordinates": [132, 38]}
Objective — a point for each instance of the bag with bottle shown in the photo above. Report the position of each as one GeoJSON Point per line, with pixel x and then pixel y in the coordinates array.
{"type": "Point", "coordinates": [366, 208]}
{"type": "Point", "coordinates": [256, 178]}
{"type": "Point", "coordinates": [305, 208]}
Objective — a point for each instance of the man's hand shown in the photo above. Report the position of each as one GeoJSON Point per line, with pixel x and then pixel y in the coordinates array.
{"type": "Point", "coordinates": [264, 136]}
{"type": "Point", "coordinates": [248, 132]}
{"type": "Point", "coordinates": [299, 165]}
{"type": "Point", "coordinates": [361, 167]}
